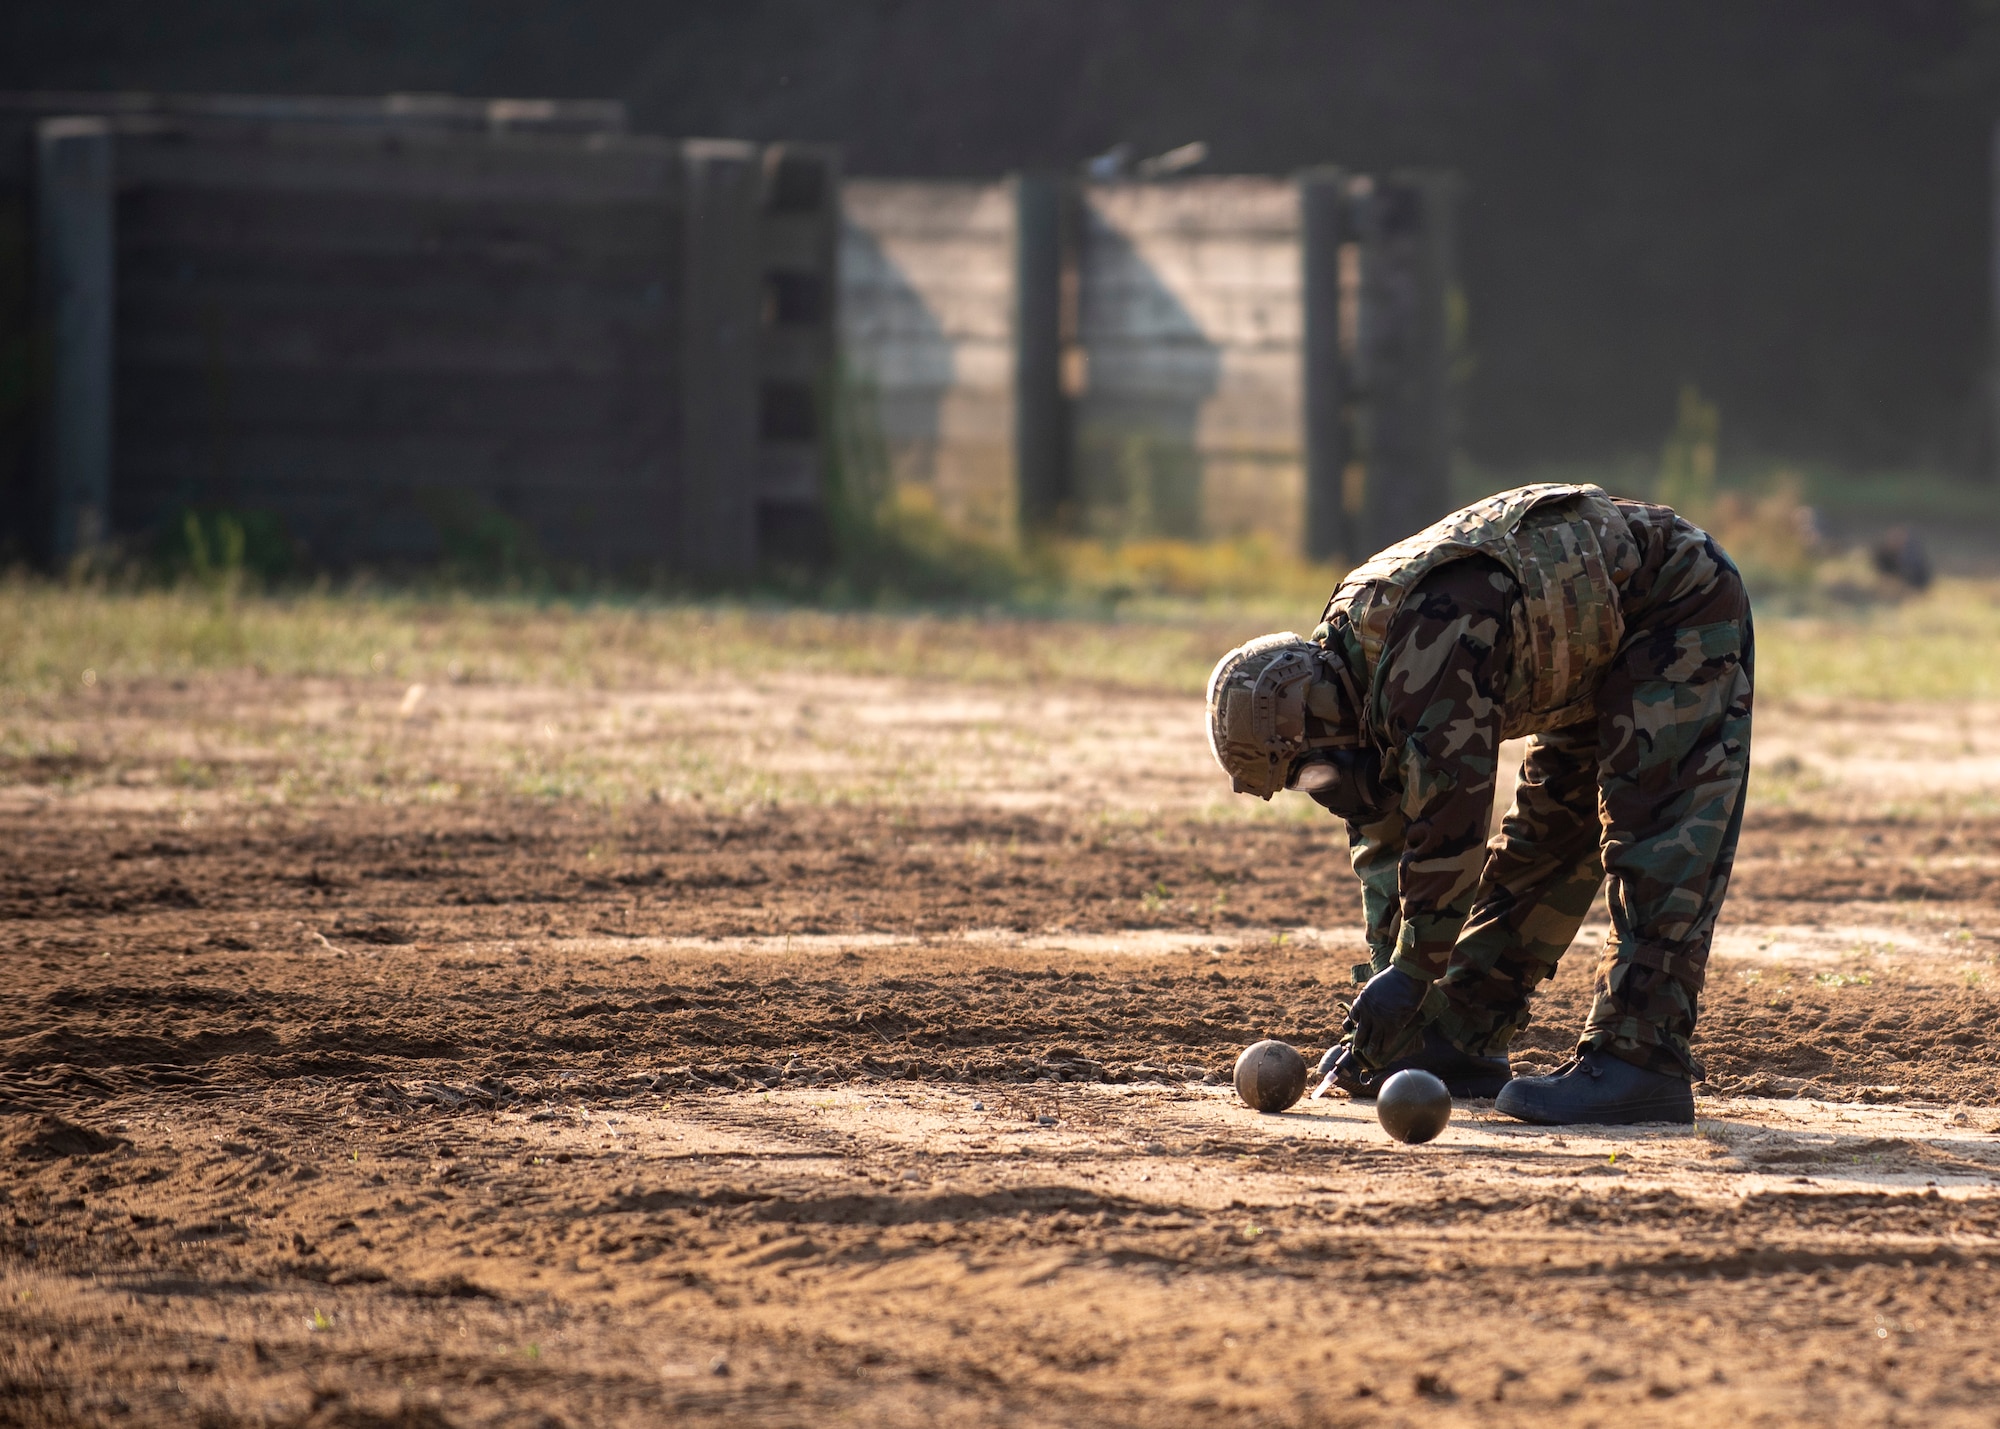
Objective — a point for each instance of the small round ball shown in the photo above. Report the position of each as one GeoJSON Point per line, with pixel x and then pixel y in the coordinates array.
{"type": "Point", "coordinates": [1413, 1106]}
{"type": "Point", "coordinates": [1270, 1076]}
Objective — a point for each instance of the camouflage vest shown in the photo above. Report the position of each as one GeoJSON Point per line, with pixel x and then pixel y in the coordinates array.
{"type": "Point", "coordinates": [1569, 549]}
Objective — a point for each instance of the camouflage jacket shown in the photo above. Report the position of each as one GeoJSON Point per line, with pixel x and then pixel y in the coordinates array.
{"type": "Point", "coordinates": [1446, 688]}
{"type": "Point", "coordinates": [1436, 713]}
{"type": "Point", "coordinates": [1568, 551]}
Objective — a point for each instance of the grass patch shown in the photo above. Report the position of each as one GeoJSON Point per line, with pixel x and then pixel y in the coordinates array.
{"type": "Point", "coordinates": [50, 635]}
{"type": "Point", "coordinates": [1942, 646]}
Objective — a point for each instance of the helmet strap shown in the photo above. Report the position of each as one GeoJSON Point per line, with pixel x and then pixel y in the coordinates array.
{"type": "Point", "coordinates": [1354, 729]}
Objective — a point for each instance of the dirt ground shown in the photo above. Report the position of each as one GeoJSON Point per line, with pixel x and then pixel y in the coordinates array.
{"type": "Point", "coordinates": [849, 1050]}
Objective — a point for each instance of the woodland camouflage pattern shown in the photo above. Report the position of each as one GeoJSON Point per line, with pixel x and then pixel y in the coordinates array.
{"type": "Point", "coordinates": [1647, 787]}
{"type": "Point", "coordinates": [1568, 551]}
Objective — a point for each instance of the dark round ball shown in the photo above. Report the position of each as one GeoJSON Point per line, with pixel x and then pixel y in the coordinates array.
{"type": "Point", "coordinates": [1270, 1076]}
{"type": "Point", "coordinates": [1413, 1106]}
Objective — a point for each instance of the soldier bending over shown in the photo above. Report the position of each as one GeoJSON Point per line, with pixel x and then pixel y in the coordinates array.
{"type": "Point", "coordinates": [1618, 636]}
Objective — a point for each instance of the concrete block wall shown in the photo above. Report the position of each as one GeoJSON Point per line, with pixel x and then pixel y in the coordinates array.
{"type": "Point", "coordinates": [1189, 371]}
{"type": "Point", "coordinates": [928, 302]}
{"type": "Point", "coordinates": [366, 316]}
{"type": "Point", "coordinates": [390, 333]}
{"type": "Point", "coordinates": [382, 339]}
{"type": "Point", "coordinates": [1200, 358]}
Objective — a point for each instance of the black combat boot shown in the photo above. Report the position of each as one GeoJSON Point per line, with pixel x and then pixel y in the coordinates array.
{"type": "Point", "coordinates": [1599, 1089]}
{"type": "Point", "coordinates": [1464, 1075]}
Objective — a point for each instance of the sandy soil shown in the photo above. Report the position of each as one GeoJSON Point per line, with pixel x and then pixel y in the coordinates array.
{"type": "Point", "coordinates": [847, 1051]}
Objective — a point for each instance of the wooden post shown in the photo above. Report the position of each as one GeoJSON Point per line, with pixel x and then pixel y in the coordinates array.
{"type": "Point", "coordinates": [1039, 427]}
{"type": "Point", "coordinates": [1405, 322]}
{"type": "Point", "coordinates": [721, 400]}
{"type": "Point", "coordinates": [801, 235]}
{"type": "Point", "coordinates": [1324, 383]}
{"type": "Point", "coordinates": [1992, 433]}
{"type": "Point", "coordinates": [73, 289]}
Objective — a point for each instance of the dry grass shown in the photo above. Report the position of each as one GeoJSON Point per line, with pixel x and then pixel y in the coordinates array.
{"type": "Point", "coordinates": [50, 635]}
{"type": "Point", "coordinates": [1942, 646]}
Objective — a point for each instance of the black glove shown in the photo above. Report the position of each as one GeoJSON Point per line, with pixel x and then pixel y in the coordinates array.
{"type": "Point", "coordinates": [1384, 1016]}
{"type": "Point", "coordinates": [1347, 782]}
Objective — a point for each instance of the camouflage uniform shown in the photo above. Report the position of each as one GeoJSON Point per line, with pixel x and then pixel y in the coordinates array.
{"type": "Point", "coordinates": [1637, 770]}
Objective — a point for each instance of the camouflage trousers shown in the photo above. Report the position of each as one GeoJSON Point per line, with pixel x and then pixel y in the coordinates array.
{"type": "Point", "coordinates": [1649, 795]}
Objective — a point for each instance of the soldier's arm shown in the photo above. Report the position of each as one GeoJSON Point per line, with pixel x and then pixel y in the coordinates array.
{"type": "Point", "coordinates": [1375, 848]}
{"type": "Point", "coordinates": [1439, 703]}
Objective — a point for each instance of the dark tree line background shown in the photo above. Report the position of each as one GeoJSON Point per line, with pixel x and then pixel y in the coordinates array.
{"type": "Point", "coordinates": [1785, 202]}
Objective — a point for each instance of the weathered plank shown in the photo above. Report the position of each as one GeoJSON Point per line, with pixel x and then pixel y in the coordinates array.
{"type": "Point", "coordinates": [346, 403]}
{"type": "Point", "coordinates": [1191, 326]}
{"type": "Point", "coordinates": [927, 310]}
{"type": "Point", "coordinates": [376, 496]}
{"type": "Point", "coordinates": [301, 160]}
{"type": "Point", "coordinates": [568, 330]}
{"type": "Point", "coordinates": [417, 111]}
{"type": "Point", "coordinates": [207, 226]}
{"type": "Point", "coordinates": [421, 326]}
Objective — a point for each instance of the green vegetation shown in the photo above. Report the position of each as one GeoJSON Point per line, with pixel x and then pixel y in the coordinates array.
{"type": "Point", "coordinates": [1943, 645]}
{"type": "Point", "coordinates": [905, 595]}
{"type": "Point", "coordinates": [890, 545]}
{"type": "Point", "coordinates": [50, 634]}
{"type": "Point", "coordinates": [1687, 463]}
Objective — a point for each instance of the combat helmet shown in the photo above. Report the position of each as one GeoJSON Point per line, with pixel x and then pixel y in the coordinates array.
{"type": "Point", "coordinates": [1273, 700]}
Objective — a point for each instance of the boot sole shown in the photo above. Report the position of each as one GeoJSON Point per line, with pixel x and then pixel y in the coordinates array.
{"type": "Point", "coordinates": [1672, 1111]}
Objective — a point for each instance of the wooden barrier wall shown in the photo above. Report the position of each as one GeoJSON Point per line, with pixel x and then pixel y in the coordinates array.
{"type": "Point", "coordinates": [382, 338]}
{"type": "Point", "coordinates": [927, 301]}
{"type": "Point", "coordinates": [421, 328]}
{"type": "Point", "coordinates": [1190, 325]}
{"type": "Point", "coordinates": [415, 340]}
{"type": "Point", "coordinates": [1198, 358]}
